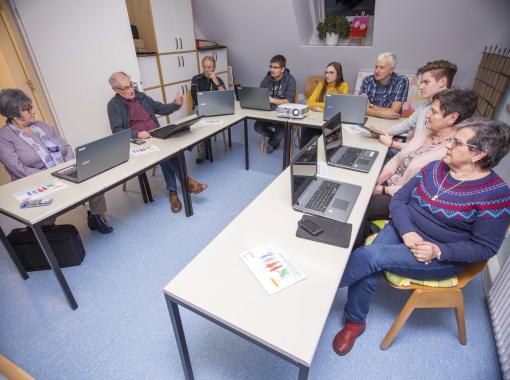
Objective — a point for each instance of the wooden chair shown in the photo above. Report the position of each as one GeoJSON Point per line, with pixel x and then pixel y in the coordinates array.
{"type": "Point", "coordinates": [11, 371]}
{"type": "Point", "coordinates": [429, 297]}
{"type": "Point", "coordinates": [311, 83]}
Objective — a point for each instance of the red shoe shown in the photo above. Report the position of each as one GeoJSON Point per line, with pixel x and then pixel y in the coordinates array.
{"type": "Point", "coordinates": [346, 337]}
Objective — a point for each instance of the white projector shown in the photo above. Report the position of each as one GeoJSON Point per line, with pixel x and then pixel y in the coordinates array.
{"type": "Point", "coordinates": [292, 110]}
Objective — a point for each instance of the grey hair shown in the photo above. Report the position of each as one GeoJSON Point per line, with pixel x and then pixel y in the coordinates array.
{"type": "Point", "coordinates": [390, 57]}
{"type": "Point", "coordinates": [209, 58]}
{"type": "Point", "coordinates": [12, 102]}
{"type": "Point", "coordinates": [491, 136]}
{"type": "Point", "coordinates": [113, 78]}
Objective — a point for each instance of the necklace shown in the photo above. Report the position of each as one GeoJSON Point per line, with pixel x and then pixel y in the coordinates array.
{"type": "Point", "coordinates": [439, 192]}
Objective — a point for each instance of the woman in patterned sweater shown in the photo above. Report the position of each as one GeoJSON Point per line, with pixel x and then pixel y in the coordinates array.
{"type": "Point", "coordinates": [453, 212]}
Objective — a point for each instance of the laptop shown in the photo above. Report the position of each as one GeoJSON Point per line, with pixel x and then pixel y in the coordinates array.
{"type": "Point", "coordinates": [96, 157]}
{"type": "Point", "coordinates": [352, 107]}
{"type": "Point", "coordinates": [341, 155]}
{"type": "Point", "coordinates": [171, 129]}
{"type": "Point", "coordinates": [315, 195]}
{"type": "Point", "coordinates": [215, 103]}
{"type": "Point", "coordinates": [255, 98]}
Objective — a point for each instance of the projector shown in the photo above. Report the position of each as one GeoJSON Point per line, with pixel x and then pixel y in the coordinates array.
{"type": "Point", "coordinates": [292, 110]}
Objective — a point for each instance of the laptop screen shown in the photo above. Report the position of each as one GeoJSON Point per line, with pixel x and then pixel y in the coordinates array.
{"type": "Point", "coordinates": [332, 135]}
{"type": "Point", "coordinates": [303, 169]}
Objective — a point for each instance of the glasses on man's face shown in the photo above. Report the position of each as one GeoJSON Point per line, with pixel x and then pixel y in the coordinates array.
{"type": "Point", "coordinates": [453, 142]}
{"type": "Point", "coordinates": [28, 109]}
{"type": "Point", "coordinates": [274, 67]}
{"type": "Point", "coordinates": [129, 86]}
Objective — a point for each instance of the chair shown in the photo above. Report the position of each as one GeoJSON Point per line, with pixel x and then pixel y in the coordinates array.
{"type": "Point", "coordinates": [11, 371]}
{"type": "Point", "coordinates": [429, 297]}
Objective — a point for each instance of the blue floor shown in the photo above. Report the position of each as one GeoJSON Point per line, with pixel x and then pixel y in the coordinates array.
{"type": "Point", "coordinates": [122, 330]}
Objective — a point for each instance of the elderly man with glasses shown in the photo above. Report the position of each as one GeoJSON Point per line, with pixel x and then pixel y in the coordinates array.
{"type": "Point", "coordinates": [133, 109]}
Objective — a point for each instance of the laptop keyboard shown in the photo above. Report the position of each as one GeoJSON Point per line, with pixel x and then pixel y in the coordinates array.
{"type": "Point", "coordinates": [323, 196]}
{"type": "Point", "coordinates": [70, 172]}
{"type": "Point", "coordinates": [350, 155]}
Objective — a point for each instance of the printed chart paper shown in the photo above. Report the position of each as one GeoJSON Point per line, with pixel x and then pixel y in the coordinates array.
{"type": "Point", "coordinates": [39, 191]}
{"type": "Point", "coordinates": [211, 122]}
{"type": "Point", "coordinates": [143, 149]}
{"type": "Point", "coordinates": [352, 128]}
{"type": "Point", "coordinates": [273, 271]}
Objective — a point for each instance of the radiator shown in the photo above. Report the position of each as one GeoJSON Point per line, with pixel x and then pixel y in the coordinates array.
{"type": "Point", "coordinates": [499, 305]}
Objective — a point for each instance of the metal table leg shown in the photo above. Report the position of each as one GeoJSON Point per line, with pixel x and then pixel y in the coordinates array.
{"type": "Point", "coordinates": [246, 155]}
{"type": "Point", "coordinates": [175, 316]}
{"type": "Point", "coordinates": [142, 188]}
{"type": "Point", "coordinates": [50, 256]}
{"type": "Point", "coordinates": [148, 191]}
{"type": "Point", "coordinates": [183, 175]}
{"type": "Point", "coordinates": [209, 149]}
{"type": "Point", "coordinates": [303, 372]}
{"type": "Point", "coordinates": [229, 137]}
{"type": "Point", "coordinates": [286, 146]}
{"type": "Point", "coordinates": [12, 254]}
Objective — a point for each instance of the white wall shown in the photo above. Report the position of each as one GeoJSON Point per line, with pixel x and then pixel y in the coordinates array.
{"type": "Point", "coordinates": [417, 31]}
{"type": "Point", "coordinates": [76, 46]}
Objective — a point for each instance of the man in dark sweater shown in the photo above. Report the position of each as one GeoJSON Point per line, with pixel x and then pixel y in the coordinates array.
{"type": "Point", "coordinates": [132, 109]}
{"type": "Point", "coordinates": [282, 89]}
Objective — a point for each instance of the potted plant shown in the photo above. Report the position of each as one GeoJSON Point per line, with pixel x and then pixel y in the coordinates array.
{"type": "Point", "coordinates": [332, 28]}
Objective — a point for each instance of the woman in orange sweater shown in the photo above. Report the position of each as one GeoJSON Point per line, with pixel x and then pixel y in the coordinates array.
{"type": "Point", "coordinates": [333, 84]}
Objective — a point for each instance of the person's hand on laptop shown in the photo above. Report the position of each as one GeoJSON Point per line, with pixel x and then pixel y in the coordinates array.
{"type": "Point", "coordinates": [179, 99]}
{"type": "Point", "coordinates": [143, 135]}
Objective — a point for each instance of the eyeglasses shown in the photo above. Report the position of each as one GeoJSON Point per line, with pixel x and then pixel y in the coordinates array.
{"type": "Point", "coordinates": [329, 72]}
{"type": "Point", "coordinates": [455, 142]}
{"type": "Point", "coordinates": [29, 109]}
{"type": "Point", "coordinates": [131, 85]}
{"type": "Point", "coordinates": [273, 67]}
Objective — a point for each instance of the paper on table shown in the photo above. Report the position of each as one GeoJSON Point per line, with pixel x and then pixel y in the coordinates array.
{"type": "Point", "coordinates": [352, 128]}
{"type": "Point", "coordinates": [273, 271]}
{"type": "Point", "coordinates": [39, 191]}
{"type": "Point", "coordinates": [211, 122]}
{"type": "Point", "coordinates": [142, 149]}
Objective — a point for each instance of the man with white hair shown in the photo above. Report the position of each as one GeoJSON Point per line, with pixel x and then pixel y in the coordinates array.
{"type": "Point", "coordinates": [386, 90]}
{"type": "Point", "coordinates": [131, 109]}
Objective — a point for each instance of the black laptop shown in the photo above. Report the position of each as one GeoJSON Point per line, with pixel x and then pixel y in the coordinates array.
{"type": "Point", "coordinates": [340, 155]}
{"type": "Point", "coordinates": [171, 129]}
{"type": "Point", "coordinates": [96, 157]}
{"type": "Point", "coordinates": [255, 98]}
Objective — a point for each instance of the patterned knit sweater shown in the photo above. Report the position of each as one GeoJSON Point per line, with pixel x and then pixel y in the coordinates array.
{"type": "Point", "coordinates": [467, 220]}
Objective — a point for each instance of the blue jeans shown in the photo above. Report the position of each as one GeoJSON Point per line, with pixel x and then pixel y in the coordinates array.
{"type": "Point", "coordinates": [387, 253]}
{"type": "Point", "coordinates": [169, 168]}
{"type": "Point", "coordinates": [266, 129]}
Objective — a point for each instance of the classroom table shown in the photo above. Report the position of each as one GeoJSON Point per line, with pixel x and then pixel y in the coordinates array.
{"type": "Point", "coordinates": [218, 286]}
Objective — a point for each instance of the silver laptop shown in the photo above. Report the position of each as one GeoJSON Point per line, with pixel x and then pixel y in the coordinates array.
{"type": "Point", "coordinates": [318, 196]}
{"type": "Point", "coordinates": [352, 107]}
{"type": "Point", "coordinates": [337, 154]}
{"type": "Point", "coordinates": [255, 98]}
{"type": "Point", "coordinates": [216, 103]}
{"type": "Point", "coordinates": [96, 157]}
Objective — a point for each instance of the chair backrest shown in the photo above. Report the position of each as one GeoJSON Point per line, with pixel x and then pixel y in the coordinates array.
{"type": "Point", "coordinates": [311, 83]}
{"type": "Point", "coordinates": [189, 101]}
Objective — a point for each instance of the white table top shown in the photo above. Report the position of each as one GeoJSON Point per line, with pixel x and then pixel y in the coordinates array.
{"type": "Point", "coordinates": [218, 283]}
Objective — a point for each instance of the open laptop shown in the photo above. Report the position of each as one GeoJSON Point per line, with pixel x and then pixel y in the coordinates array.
{"type": "Point", "coordinates": [96, 157]}
{"type": "Point", "coordinates": [216, 103]}
{"type": "Point", "coordinates": [171, 129]}
{"type": "Point", "coordinates": [255, 98]}
{"type": "Point", "coordinates": [337, 154]}
{"type": "Point", "coordinates": [315, 195]}
{"type": "Point", "coordinates": [352, 107]}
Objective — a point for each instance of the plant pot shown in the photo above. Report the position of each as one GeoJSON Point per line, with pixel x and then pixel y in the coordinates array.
{"type": "Point", "coordinates": [331, 39]}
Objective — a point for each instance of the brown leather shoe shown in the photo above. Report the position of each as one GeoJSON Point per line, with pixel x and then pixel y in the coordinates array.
{"type": "Point", "coordinates": [344, 340]}
{"type": "Point", "coordinates": [196, 187]}
{"type": "Point", "coordinates": [175, 203]}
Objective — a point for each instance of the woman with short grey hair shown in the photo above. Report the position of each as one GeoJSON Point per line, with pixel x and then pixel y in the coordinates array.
{"type": "Point", "coordinates": [453, 212]}
{"type": "Point", "coordinates": [28, 146]}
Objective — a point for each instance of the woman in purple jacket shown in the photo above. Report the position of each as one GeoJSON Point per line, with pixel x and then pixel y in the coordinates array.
{"type": "Point", "coordinates": [28, 146]}
{"type": "Point", "coordinates": [453, 212]}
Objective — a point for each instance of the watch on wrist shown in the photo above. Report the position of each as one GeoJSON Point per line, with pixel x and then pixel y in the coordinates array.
{"type": "Point", "coordinates": [438, 254]}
